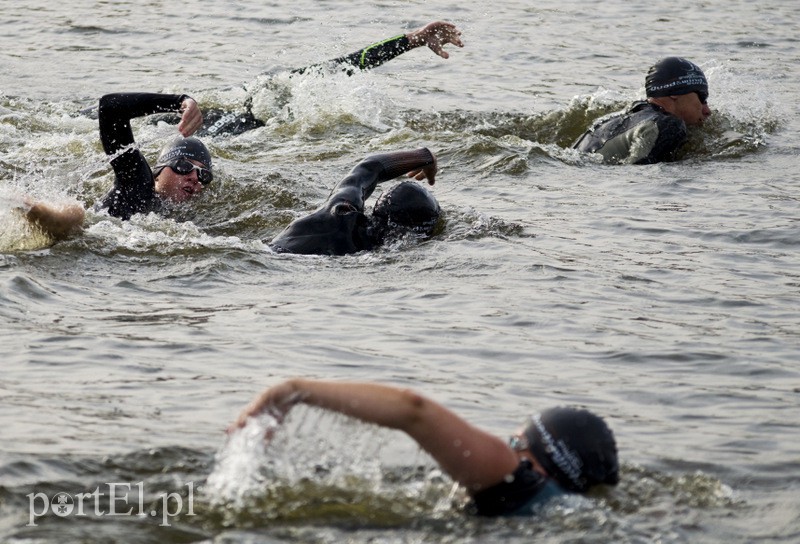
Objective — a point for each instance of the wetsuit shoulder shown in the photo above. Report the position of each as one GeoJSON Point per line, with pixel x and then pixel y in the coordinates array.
{"type": "Point", "coordinates": [134, 188]}
{"type": "Point", "coordinates": [643, 134]}
{"type": "Point", "coordinates": [329, 230]}
{"type": "Point", "coordinates": [519, 495]}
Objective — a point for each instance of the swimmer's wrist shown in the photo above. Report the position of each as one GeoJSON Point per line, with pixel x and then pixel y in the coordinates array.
{"type": "Point", "coordinates": [415, 39]}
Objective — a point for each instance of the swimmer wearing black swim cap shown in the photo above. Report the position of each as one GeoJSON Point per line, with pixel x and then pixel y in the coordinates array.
{"type": "Point", "coordinates": [183, 168]}
{"type": "Point", "coordinates": [575, 447]}
{"type": "Point", "coordinates": [561, 451]}
{"type": "Point", "coordinates": [340, 226]}
{"type": "Point", "coordinates": [406, 207]}
{"type": "Point", "coordinates": [653, 130]}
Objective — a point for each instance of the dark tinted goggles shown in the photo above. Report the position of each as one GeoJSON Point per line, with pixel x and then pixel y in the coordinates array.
{"type": "Point", "coordinates": [183, 167]}
{"type": "Point", "coordinates": [702, 96]}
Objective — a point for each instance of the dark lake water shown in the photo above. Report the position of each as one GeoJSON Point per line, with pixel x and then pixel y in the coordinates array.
{"type": "Point", "coordinates": [664, 297]}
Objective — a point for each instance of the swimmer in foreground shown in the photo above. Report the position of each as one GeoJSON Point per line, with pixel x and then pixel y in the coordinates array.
{"type": "Point", "coordinates": [561, 450]}
{"type": "Point", "coordinates": [654, 130]}
{"type": "Point", "coordinates": [434, 35]}
{"type": "Point", "coordinates": [340, 226]}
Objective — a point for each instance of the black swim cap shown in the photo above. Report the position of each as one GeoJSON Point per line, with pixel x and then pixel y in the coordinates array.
{"type": "Point", "coordinates": [190, 148]}
{"type": "Point", "coordinates": [410, 206]}
{"type": "Point", "coordinates": [575, 447]}
{"type": "Point", "coordinates": [675, 76]}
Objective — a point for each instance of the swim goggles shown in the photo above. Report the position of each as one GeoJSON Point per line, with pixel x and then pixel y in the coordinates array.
{"type": "Point", "coordinates": [183, 167]}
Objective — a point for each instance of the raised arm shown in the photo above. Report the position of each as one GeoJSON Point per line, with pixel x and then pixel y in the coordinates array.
{"type": "Point", "coordinates": [133, 184]}
{"type": "Point", "coordinates": [357, 187]}
{"type": "Point", "coordinates": [117, 109]}
{"type": "Point", "coordinates": [471, 456]}
{"type": "Point", "coordinates": [435, 35]}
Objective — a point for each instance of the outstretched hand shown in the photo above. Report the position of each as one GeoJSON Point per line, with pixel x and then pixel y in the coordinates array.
{"type": "Point", "coordinates": [191, 117]}
{"type": "Point", "coordinates": [436, 35]}
{"type": "Point", "coordinates": [277, 400]}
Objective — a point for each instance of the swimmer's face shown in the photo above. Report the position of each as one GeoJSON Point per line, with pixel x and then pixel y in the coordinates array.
{"type": "Point", "coordinates": [690, 108]}
{"type": "Point", "coordinates": [178, 187]}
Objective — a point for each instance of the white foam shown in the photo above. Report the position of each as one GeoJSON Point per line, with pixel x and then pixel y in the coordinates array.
{"type": "Point", "coordinates": [239, 465]}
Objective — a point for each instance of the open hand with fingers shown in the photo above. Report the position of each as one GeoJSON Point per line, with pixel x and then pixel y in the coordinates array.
{"type": "Point", "coordinates": [436, 35]}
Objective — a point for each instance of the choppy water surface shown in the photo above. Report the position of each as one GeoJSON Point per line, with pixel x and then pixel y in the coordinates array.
{"type": "Point", "coordinates": [664, 297]}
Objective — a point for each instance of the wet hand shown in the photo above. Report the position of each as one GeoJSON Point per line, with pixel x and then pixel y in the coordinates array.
{"type": "Point", "coordinates": [276, 400]}
{"type": "Point", "coordinates": [436, 35]}
{"type": "Point", "coordinates": [429, 173]}
{"type": "Point", "coordinates": [191, 117]}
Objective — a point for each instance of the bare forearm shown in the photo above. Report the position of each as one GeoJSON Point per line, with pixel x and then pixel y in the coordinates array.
{"type": "Point", "coordinates": [471, 456]}
{"type": "Point", "coordinates": [56, 221]}
{"type": "Point", "coordinates": [372, 403]}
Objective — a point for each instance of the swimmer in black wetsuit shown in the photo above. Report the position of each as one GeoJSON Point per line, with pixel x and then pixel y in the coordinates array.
{"type": "Point", "coordinates": [434, 35]}
{"type": "Point", "coordinates": [339, 226]}
{"type": "Point", "coordinates": [182, 170]}
{"type": "Point", "coordinates": [654, 130]}
{"type": "Point", "coordinates": [561, 450]}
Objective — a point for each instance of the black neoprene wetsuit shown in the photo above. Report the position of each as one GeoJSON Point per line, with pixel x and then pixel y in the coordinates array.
{"type": "Point", "coordinates": [644, 134]}
{"type": "Point", "coordinates": [339, 226]}
{"type": "Point", "coordinates": [134, 186]}
{"type": "Point", "coordinates": [217, 122]}
{"type": "Point", "coordinates": [519, 495]}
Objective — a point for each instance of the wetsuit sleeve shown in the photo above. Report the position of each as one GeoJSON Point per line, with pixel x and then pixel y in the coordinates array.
{"type": "Point", "coordinates": [369, 57]}
{"type": "Point", "coordinates": [376, 54]}
{"type": "Point", "coordinates": [133, 190]}
{"type": "Point", "coordinates": [362, 180]}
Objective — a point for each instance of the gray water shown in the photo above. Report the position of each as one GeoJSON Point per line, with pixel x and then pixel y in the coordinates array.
{"type": "Point", "coordinates": [664, 297]}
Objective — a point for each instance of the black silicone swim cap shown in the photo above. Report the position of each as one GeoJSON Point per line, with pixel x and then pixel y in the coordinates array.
{"type": "Point", "coordinates": [410, 206]}
{"type": "Point", "coordinates": [575, 447]}
{"type": "Point", "coordinates": [190, 148]}
{"type": "Point", "coordinates": [675, 76]}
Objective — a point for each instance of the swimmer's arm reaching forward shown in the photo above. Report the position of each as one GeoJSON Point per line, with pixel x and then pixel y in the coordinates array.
{"type": "Point", "coordinates": [58, 222]}
{"type": "Point", "coordinates": [360, 183]}
{"type": "Point", "coordinates": [434, 35]}
{"type": "Point", "coordinates": [471, 456]}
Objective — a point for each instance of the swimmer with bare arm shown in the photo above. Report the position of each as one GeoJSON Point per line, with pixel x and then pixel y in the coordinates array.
{"type": "Point", "coordinates": [56, 221]}
{"type": "Point", "coordinates": [560, 450]}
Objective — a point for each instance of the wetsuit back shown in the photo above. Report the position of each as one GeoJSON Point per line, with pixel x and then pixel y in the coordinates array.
{"type": "Point", "coordinates": [645, 134]}
{"type": "Point", "coordinates": [339, 226]}
{"type": "Point", "coordinates": [526, 490]}
{"type": "Point", "coordinates": [134, 186]}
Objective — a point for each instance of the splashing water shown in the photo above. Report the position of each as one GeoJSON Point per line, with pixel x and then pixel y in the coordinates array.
{"type": "Point", "coordinates": [239, 465]}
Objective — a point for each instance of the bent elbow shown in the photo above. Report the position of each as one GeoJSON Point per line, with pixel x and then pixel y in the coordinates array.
{"type": "Point", "coordinates": [414, 407]}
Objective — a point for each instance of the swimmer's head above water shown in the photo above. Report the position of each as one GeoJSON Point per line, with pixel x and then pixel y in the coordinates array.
{"type": "Point", "coordinates": [183, 169]}
{"type": "Point", "coordinates": [680, 87]}
{"type": "Point", "coordinates": [574, 446]}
